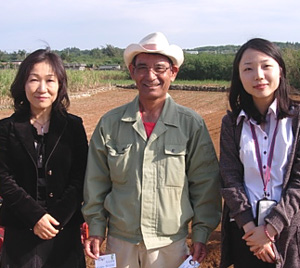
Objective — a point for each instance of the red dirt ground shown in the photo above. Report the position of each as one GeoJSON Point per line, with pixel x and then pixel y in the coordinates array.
{"type": "Point", "coordinates": [211, 105]}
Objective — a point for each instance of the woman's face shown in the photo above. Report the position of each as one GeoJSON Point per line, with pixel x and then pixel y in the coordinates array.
{"type": "Point", "coordinates": [41, 88]}
{"type": "Point", "coordinates": [260, 76]}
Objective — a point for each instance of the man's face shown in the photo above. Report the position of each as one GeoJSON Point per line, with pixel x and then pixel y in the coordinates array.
{"type": "Point", "coordinates": [153, 74]}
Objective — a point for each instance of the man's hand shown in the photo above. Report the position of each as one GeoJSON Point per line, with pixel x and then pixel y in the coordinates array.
{"type": "Point", "coordinates": [92, 246]}
{"type": "Point", "coordinates": [198, 251]}
{"type": "Point", "coordinates": [45, 229]}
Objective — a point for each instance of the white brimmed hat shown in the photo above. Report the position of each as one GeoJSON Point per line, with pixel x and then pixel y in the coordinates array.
{"type": "Point", "coordinates": [154, 43]}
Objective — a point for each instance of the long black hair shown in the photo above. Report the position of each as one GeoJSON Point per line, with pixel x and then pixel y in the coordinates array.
{"type": "Point", "coordinates": [239, 99]}
{"type": "Point", "coordinates": [17, 89]}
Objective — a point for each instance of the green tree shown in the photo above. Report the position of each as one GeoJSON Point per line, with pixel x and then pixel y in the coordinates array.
{"type": "Point", "coordinates": [292, 62]}
{"type": "Point", "coordinates": [2, 55]}
{"type": "Point", "coordinates": [65, 56]}
{"type": "Point", "coordinates": [206, 66]}
{"type": "Point", "coordinates": [21, 55]}
{"type": "Point", "coordinates": [111, 51]}
{"type": "Point", "coordinates": [96, 53]}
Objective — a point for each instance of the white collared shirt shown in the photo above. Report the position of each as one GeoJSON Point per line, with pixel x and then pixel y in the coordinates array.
{"type": "Point", "coordinates": [253, 182]}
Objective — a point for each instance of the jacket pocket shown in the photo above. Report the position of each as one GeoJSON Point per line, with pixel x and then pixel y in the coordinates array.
{"type": "Point", "coordinates": [118, 161]}
{"type": "Point", "coordinates": [173, 166]}
{"type": "Point", "coordinates": [174, 211]}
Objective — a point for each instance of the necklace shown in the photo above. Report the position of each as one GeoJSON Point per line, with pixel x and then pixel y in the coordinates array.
{"type": "Point", "coordinates": [42, 125]}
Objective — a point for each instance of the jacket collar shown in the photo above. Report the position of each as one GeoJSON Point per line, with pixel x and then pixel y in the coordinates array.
{"type": "Point", "coordinates": [169, 114]}
{"type": "Point", "coordinates": [58, 124]}
{"type": "Point", "coordinates": [23, 130]}
{"type": "Point", "coordinates": [273, 109]}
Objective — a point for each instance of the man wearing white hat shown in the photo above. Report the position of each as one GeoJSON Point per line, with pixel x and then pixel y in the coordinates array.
{"type": "Point", "coordinates": [152, 169]}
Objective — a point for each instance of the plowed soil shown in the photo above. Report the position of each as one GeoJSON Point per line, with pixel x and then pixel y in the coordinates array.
{"type": "Point", "coordinates": [91, 105]}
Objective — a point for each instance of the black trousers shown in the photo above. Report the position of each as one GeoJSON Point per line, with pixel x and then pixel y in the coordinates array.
{"type": "Point", "coordinates": [242, 256]}
{"type": "Point", "coordinates": [23, 249]}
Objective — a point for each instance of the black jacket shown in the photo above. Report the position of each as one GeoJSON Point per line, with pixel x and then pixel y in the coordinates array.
{"type": "Point", "coordinates": [66, 155]}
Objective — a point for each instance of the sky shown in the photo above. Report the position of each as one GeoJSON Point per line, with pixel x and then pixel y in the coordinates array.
{"type": "Point", "coordinates": [87, 24]}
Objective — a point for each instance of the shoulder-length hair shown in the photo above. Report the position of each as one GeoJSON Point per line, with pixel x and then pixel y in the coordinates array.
{"type": "Point", "coordinates": [17, 89]}
{"type": "Point", "coordinates": [239, 99]}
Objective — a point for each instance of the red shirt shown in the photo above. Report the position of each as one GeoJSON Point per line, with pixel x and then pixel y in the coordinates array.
{"type": "Point", "coordinates": [149, 126]}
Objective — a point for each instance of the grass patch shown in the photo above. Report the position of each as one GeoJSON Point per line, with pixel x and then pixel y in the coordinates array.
{"type": "Point", "coordinates": [212, 83]}
{"type": "Point", "coordinates": [83, 80]}
{"type": "Point", "coordinates": [6, 79]}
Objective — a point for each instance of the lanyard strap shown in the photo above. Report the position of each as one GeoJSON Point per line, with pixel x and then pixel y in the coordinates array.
{"type": "Point", "coordinates": [267, 176]}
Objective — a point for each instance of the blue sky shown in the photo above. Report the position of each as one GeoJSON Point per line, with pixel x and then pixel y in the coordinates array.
{"type": "Point", "coordinates": [87, 24]}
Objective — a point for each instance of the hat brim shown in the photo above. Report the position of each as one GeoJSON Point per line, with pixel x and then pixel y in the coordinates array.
{"type": "Point", "coordinates": [173, 52]}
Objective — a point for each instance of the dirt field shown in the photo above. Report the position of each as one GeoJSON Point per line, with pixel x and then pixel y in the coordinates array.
{"type": "Point", "coordinates": [211, 105]}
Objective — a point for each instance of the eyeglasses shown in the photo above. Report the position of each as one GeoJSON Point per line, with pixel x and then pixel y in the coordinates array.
{"type": "Point", "coordinates": [158, 69]}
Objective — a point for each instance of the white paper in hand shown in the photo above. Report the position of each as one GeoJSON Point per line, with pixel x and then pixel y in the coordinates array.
{"type": "Point", "coordinates": [106, 261]}
{"type": "Point", "coordinates": [189, 263]}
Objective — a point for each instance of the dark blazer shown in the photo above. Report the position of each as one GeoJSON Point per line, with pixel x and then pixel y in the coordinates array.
{"type": "Point", "coordinates": [66, 155]}
{"type": "Point", "coordinates": [284, 217]}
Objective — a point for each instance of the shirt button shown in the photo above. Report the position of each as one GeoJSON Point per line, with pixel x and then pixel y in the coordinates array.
{"type": "Point", "coordinates": [265, 152]}
{"type": "Point", "coordinates": [51, 195]}
{"type": "Point", "coordinates": [265, 137]}
{"type": "Point", "coordinates": [49, 172]}
{"type": "Point", "coordinates": [264, 166]}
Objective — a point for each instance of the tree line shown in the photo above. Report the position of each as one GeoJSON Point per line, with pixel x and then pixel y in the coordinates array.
{"type": "Point", "coordinates": [202, 63]}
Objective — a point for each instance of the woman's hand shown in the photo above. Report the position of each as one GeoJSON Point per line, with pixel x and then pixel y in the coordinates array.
{"type": "Point", "coordinates": [249, 226]}
{"type": "Point", "coordinates": [45, 229]}
{"type": "Point", "coordinates": [260, 244]}
{"type": "Point", "coordinates": [266, 253]}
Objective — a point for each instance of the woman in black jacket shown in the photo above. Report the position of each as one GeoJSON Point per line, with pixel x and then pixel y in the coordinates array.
{"type": "Point", "coordinates": [43, 152]}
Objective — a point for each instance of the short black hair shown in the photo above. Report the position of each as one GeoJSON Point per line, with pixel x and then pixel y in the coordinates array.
{"type": "Point", "coordinates": [17, 89]}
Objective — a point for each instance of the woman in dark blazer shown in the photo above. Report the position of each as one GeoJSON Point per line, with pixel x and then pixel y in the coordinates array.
{"type": "Point", "coordinates": [43, 152]}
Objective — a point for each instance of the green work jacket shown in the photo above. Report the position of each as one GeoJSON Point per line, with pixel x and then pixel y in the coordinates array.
{"type": "Point", "coordinates": [150, 189]}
